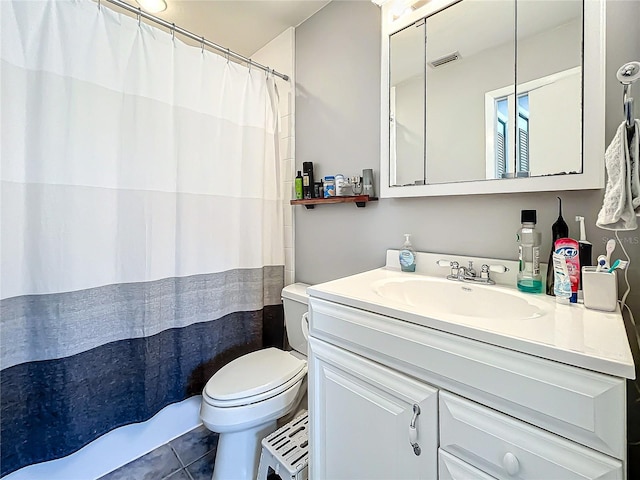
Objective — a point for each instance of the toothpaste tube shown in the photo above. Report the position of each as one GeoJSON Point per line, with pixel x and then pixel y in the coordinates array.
{"type": "Point", "coordinates": [562, 282]}
{"type": "Point", "coordinates": [570, 250]}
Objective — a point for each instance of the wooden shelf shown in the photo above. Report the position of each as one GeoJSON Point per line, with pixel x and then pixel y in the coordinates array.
{"type": "Point", "coordinates": [359, 200]}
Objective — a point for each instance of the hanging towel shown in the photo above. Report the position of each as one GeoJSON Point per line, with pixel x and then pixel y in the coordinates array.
{"type": "Point", "coordinates": [621, 202]}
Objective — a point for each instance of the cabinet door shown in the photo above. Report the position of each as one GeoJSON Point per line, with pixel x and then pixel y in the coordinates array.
{"type": "Point", "coordinates": [361, 415]}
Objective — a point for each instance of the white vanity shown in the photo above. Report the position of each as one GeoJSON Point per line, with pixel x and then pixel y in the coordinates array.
{"type": "Point", "coordinates": [406, 382]}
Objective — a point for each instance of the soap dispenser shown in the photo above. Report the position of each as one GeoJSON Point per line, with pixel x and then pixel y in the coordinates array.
{"type": "Point", "coordinates": [407, 255]}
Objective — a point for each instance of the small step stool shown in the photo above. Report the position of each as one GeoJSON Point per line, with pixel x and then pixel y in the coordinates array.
{"type": "Point", "coordinates": [286, 451]}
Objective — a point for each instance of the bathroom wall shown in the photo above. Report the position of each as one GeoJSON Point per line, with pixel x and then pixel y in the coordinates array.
{"type": "Point", "coordinates": [337, 128]}
{"type": "Point", "coordinates": [279, 54]}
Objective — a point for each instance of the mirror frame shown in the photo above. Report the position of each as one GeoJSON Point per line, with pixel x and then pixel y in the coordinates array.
{"type": "Point", "coordinates": [593, 116]}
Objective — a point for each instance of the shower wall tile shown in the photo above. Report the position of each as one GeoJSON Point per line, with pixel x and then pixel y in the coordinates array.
{"type": "Point", "coordinates": [288, 256]}
{"type": "Point", "coordinates": [286, 126]}
{"type": "Point", "coordinates": [288, 214]}
{"type": "Point", "coordinates": [287, 147]}
{"type": "Point", "coordinates": [288, 236]}
{"type": "Point", "coordinates": [288, 169]}
{"type": "Point", "coordinates": [286, 101]}
{"type": "Point", "coordinates": [288, 192]}
{"type": "Point", "coordinates": [289, 277]}
{"type": "Point", "coordinates": [279, 54]}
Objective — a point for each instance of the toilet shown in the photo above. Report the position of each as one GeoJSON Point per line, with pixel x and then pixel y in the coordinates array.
{"type": "Point", "coordinates": [244, 399]}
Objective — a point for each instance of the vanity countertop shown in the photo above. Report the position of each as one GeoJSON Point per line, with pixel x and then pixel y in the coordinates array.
{"type": "Point", "coordinates": [571, 334]}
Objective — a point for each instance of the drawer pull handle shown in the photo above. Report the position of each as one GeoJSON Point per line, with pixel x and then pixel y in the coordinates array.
{"type": "Point", "coordinates": [510, 463]}
{"type": "Point", "coordinates": [413, 431]}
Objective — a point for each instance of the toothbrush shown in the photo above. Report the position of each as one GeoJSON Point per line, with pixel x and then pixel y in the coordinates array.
{"type": "Point", "coordinates": [611, 246]}
{"type": "Point", "coordinates": [621, 264]}
{"type": "Point", "coordinates": [602, 263]}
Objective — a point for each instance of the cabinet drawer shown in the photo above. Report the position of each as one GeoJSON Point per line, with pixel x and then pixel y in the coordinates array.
{"type": "Point", "coordinates": [452, 468]}
{"type": "Point", "coordinates": [507, 448]}
{"type": "Point", "coordinates": [572, 402]}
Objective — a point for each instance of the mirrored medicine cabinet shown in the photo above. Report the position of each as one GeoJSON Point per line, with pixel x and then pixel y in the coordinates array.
{"type": "Point", "coordinates": [491, 96]}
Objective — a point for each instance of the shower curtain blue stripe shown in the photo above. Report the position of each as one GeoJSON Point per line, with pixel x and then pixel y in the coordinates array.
{"type": "Point", "coordinates": [44, 327]}
{"type": "Point", "coordinates": [51, 408]}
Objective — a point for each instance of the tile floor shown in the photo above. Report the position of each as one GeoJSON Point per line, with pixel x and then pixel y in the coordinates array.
{"type": "Point", "coordinates": [188, 457]}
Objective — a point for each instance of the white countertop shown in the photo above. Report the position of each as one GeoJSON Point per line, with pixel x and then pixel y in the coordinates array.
{"type": "Point", "coordinates": [570, 334]}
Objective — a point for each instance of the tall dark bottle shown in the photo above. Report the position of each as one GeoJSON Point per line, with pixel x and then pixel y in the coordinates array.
{"type": "Point", "coordinates": [560, 229]}
{"type": "Point", "coordinates": [307, 179]}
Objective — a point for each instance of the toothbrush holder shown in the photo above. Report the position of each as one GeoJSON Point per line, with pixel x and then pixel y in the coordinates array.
{"type": "Point", "coordinates": [600, 289]}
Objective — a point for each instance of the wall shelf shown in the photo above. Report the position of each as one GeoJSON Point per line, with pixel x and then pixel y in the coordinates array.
{"type": "Point", "coordinates": [359, 200]}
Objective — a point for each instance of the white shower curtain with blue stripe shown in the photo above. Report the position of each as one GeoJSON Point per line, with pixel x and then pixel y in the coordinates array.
{"type": "Point", "coordinates": [141, 222]}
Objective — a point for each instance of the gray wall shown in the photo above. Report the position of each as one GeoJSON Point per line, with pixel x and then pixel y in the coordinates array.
{"type": "Point", "coordinates": [337, 128]}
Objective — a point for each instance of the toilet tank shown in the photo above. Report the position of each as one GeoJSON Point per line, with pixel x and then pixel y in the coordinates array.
{"type": "Point", "coordinates": [296, 303]}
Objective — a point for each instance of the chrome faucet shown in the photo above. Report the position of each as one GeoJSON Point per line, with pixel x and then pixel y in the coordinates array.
{"type": "Point", "coordinates": [469, 274]}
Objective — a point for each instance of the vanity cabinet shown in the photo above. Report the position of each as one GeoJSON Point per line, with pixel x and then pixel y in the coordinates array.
{"type": "Point", "coordinates": [485, 411]}
{"type": "Point", "coordinates": [364, 413]}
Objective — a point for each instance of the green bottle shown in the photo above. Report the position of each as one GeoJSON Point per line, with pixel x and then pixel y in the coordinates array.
{"type": "Point", "coordinates": [299, 186]}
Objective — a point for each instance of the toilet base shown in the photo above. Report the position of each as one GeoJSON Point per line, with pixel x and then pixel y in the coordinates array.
{"type": "Point", "coordinates": [238, 453]}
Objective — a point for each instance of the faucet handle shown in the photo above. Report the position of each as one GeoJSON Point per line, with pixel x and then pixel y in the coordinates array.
{"type": "Point", "coordinates": [495, 268]}
{"type": "Point", "coordinates": [484, 271]}
{"type": "Point", "coordinates": [455, 267]}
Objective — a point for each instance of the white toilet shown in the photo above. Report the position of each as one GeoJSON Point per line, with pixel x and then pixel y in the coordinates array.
{"type": "Point", "coordinates": [245, 398]}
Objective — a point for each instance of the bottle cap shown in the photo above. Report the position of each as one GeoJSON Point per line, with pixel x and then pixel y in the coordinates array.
{"type": "Point", "coordinates": [528, 216]}
{"type": "Point", "coordinates": [299, 173]}
{"type": "Point", "coordinates": [329, 177]}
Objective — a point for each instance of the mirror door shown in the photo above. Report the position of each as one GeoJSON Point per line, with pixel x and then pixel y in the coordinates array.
{"type": "Point", "coordinates": [490, 96]}
{"type": "Point", "coordinates": [407, 106]}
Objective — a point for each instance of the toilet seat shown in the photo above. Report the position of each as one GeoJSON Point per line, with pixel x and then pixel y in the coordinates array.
{"type": "Point", "coordinates": [253, 378]}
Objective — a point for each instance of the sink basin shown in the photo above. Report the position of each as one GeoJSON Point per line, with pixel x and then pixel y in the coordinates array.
{"type": "Point", "coordinates": [445, 297]}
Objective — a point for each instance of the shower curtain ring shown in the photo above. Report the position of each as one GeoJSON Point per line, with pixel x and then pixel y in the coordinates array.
{"type": "Point", "coordinates": [228, 54]}
{"type": "Point", "coordinates": [99, 5]}
{"type": "Point", "coordinates": [250, 63]}
{"type": "Point", "coordinates": [139, 15]}
{"type": "Point", "coordinates": [173, 31]}
{"type": "Point", "coordinates": [202, 45]}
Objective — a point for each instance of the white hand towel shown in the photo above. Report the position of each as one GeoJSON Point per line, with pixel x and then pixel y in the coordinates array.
{"type": "Point", "coordinates": [634, 157]}
{"type": "Point", "coordinates": [622, 192]}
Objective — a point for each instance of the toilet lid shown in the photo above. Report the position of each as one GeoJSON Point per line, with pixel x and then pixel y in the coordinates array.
{"type": "Point", "coordinates": [253, 374]}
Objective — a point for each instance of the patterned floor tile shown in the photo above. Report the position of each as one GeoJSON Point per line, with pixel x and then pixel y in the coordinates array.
{"type": "Point", "coordinates": [155, 465]}
{"type": "Point", "coordinates": [202, 469]}
{"type": "Point", "coordinates": [179, 475]}
{"type": "Point", "coordinates": [194, 444]}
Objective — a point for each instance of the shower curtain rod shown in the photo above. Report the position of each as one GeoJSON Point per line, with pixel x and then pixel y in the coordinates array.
{"type": "Point", "coordinates": [174, 28]}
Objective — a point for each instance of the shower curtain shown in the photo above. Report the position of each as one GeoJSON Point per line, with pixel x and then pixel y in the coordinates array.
{"type": "Point", "coordinates": [141, 222]}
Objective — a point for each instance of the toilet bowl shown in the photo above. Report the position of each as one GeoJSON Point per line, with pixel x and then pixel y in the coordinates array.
{"type": "Point", "coordinates": [244, 399]}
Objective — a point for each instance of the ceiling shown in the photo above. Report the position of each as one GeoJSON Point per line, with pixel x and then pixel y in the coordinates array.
{"type": "Point", "coordinates": [244, 26]}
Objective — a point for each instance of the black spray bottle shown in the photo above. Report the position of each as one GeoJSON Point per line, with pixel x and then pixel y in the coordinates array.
{"type": "Point", "coordinates": [560, 229]}
{"type": "Point", "coordinates": [584, 252]}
